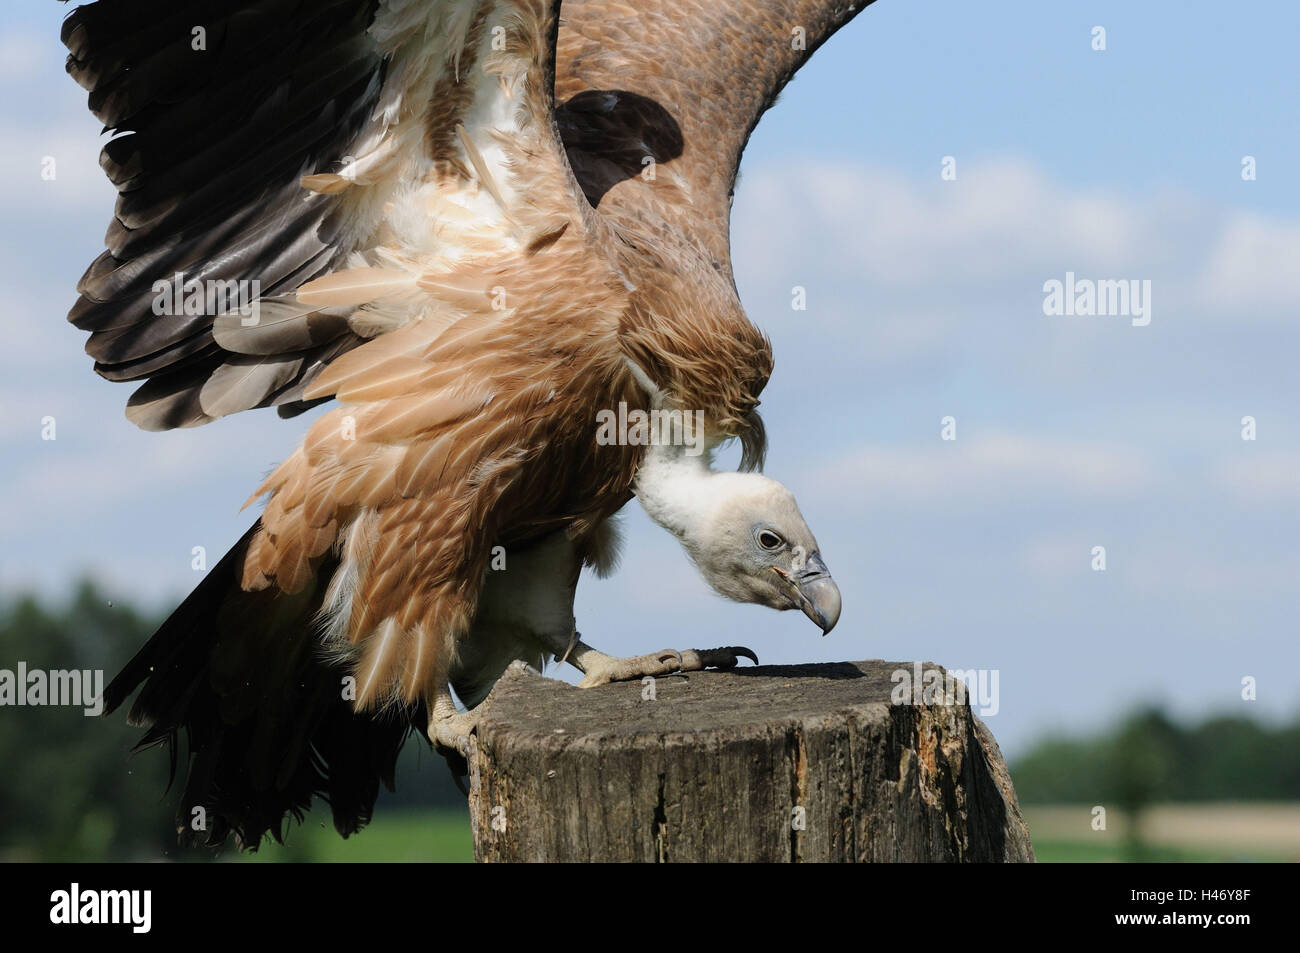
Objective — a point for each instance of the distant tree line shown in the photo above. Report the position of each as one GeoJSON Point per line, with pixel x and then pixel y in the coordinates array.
{"type": "Point", "coordinates": [70, 789]}
{"type": "Point", "coordinates": [1148, 757]}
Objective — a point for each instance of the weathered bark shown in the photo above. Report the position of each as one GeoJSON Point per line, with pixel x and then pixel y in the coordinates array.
{"type": "Point", "coordinates": [716, 765]}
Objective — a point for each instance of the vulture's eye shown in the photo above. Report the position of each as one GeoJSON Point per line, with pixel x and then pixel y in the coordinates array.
{"type": "Point", "coordinates": [769, 540]}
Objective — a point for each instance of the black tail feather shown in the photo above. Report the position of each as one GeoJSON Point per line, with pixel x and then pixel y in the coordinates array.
{"type": "Point", "coordinates": [266, 723]}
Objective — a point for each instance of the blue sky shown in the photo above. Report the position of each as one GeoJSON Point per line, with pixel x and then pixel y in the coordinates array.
{"type": "Point", "coordinates": [924, 301]}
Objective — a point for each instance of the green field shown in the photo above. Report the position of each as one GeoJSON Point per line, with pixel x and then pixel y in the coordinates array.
{"type": "Point", "coordinates": [1192, 833]}
{"type": "Point", "coordinates": [1179, 833]}
{"type": "Point", "coordinates": [1049, 851]}
{"type": "Point", "coordinates": [402, 836]}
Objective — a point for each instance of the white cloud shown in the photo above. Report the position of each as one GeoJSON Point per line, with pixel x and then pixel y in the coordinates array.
{"type": "Point", "coordinates": [1267, 479]}
{"type": "Point", "coordinates": [1005, 223]}
{"type": "Point", "coordinates": [992, 468]}
{"type": "Point", "coordinates": [1251, 270]}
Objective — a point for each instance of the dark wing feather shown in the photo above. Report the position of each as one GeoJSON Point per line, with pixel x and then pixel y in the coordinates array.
{"type": "Point", "coordinates": [210, 147]}
{"type": "Point", "coordinates": [683, 82]}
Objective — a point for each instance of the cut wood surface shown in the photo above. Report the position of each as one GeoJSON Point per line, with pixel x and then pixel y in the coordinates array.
{"type": "Point", "coordinates": [769, 763]}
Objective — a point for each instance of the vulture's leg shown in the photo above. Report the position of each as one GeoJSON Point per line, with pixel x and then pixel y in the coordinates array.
{"type": "Point", "coordinates": [560, 638]}
{"type": "Point", "coordinates": [449, 729]}
{"type": "Point", "coordinates": [600, 669]}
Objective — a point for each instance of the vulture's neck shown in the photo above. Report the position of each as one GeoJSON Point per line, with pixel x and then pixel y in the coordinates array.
{"type": "Point", "coordinates": [678, 491]}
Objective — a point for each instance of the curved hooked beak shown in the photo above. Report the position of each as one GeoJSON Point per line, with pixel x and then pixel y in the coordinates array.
{"type": "Point", "coordinates": [815, 592]}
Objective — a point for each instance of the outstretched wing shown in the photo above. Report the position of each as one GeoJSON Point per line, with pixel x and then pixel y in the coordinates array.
{"type": "Point", "coordinates": [298, 176]}
{"type": "Point", "coordinates": [682, 84]}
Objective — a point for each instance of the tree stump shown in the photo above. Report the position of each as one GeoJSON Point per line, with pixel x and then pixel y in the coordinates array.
{"type": "Point", "coordinates": [771, 763]}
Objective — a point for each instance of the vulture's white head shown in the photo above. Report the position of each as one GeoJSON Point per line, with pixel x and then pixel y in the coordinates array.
{"type": "Point", "coordinates": [743, 530]}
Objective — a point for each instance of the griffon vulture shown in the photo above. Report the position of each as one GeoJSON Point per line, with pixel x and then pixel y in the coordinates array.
{"type": "Point", "coordinates": [480, 227]}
